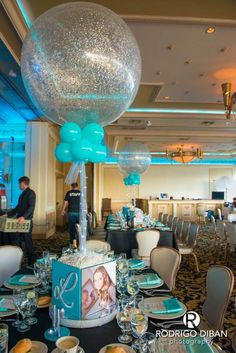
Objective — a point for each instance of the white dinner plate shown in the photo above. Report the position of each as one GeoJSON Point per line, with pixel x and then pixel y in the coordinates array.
{"type": "Point", "coordinates": [151, 286]}
{"type": "Point", "coordinates": [37, 347]}
{"type": "Point", "coordinates": [80, 350]}
{"type": "Point", "coordinates": [169, 316]}
{"type": "Point", "coordinates": [168, 347]}
{"type": "Point", "coordinates": [18, 286]}
{"type": "Point", "coordinates": [127, 349]}
{"type": "Point", "coordinates": [10, 311]}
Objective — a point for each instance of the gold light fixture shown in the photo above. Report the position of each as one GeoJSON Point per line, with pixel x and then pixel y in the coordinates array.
{"type": "Point", "coordinates": [228, 98]}
{"type": "Point", "coordinates": [182, 156]}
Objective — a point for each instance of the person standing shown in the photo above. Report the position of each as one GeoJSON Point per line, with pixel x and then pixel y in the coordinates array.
{"type": "Point", "coordinates": [25, 211]}
{"type": "Point", "coordinates": [72, 205]}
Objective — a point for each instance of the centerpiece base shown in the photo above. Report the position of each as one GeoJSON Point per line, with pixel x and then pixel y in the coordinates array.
{"type": "Point", "coordinates": [89, 323]}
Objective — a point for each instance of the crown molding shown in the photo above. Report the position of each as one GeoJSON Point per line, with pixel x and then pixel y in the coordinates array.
{"type": "Point", "coordinates": [15, 17]}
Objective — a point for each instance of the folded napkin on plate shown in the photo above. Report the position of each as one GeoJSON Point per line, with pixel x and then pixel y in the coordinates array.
{"type": "Point", "coordinates": [200, 346]}
{"type": "Point", "coordinates": [169, 306]}
{"type": "Point", "coordinates": [21, 280]}
{"type": "Point", "coordinates": [149, 280]}
{"type": "Point", "coordinates": [135, 263]}
{"type": "Point", "coordinates": [6, 304]}
{"type": "Point", "coordinates": [3, 310]}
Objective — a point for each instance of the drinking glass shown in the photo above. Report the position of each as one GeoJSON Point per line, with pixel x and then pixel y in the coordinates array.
{"type": "Point", "coordinates": [138, 303]}
{"type": "Point", "coordinates": [46, 257]}
{"type": "Point", "coordinates": [132, 286]}
{"type": "Point", "coordinates": [139, 325]}
{"type": "Point", "coordinates": [123, 320]}
{"type": "Point", "coordinates": [3, 338]}
{"type": "Point", "coordinates": [44, 275]}
{"type": "Point", "coordinates": [22, 303]}
{"type": "Point", "coordinates": [121, 285]}
{"type": "Point", "coordinates": [32, 296]}
{"type": "Point", "coordinates": [148, 343]}
{"type": "Point", "coordinates": [123, 255]}
{"type": "Point", "coordinates": [123, 267]}
{"type": "Point", "coordinates": [15, 298]}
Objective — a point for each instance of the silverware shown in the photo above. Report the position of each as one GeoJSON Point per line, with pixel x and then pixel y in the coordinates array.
{"type": "Point", "coordinates": [2, 319]}
{"type": "Point", "coordinates": [167, 324]}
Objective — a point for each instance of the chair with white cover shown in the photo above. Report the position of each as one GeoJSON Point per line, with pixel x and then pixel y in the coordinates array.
{"type": "Point", "coordinates": [97, 245]}
{"type": "Point", "coordinates": [160, 216]}
{"type": "Point", "coordinates": [147, 240]}
{"type": "Point", "coordinates": [10, 261]}
{"type": "Point", "coordinates": [188, 248]}
{"type": "Point", "coordinates": [166, 262]}
{"type": "Point", "coordinates": [233, 341]}
{"type": "Point", "coordinates": [165, 218]}
{"type": "Point", "coordinates": [178, 229]}
{"type": "Point", "coordinates": [231, 237]}
{"type": "Point", "coordinates": [219, 286]}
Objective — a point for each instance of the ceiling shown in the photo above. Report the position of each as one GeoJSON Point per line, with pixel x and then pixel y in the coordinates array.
{"type": "Point", "coordinates": [179, 100]}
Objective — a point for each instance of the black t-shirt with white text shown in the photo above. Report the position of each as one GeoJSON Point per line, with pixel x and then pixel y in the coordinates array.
{"type": "Point", "coordinates": [73, 198]}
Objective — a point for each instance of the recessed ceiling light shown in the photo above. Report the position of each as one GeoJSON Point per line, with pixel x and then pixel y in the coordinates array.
{"type": "Point", "coordinates": [187, 62]}
{"type": "Point", "coordinates": [210, 30]}
{"type": "Point", "coordinates": [158, 73]}
{"type": "Point", "coordinates": [166, 97]}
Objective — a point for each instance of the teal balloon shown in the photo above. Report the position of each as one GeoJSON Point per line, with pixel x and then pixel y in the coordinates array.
{"type": "Point", "coordinates": [99, 154]}
{"type": "Point", "coordinates": [70, 132]}
{"type": "Point", "coordinates": [93, 132]}
{"type": "Point", "coordinates": [130, 179]}
{"type": "Point", "coordinates": [126, 181]}
{"type": "Point", "coordinates": [136, 179]}
{"type": "Point", "coordinates": [82, 150]}
{"type": "Point", "coordinates": [63, 153]}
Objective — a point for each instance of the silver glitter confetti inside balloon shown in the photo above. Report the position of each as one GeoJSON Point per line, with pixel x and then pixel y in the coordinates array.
{"type": "Point", "coordinates": [80, 62]}
{"type": "Point", "coordinates": [134, 158]}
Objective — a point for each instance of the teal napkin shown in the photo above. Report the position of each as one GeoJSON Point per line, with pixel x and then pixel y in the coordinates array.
{"type": "Point", "coordinates": [149, 280]}
{"type": "Point", "coordinates": [2, 310]}
{"type": "Point", "coordinates": [159, 224]}
{"type": "Point", "coordinates": [16, 281]}
{"type": "Point", "coordinates": [201, 346]}
{"type": "Point", "coordinates": [135, 263]}
{"type": "Point", "coordinates": [170, 306]}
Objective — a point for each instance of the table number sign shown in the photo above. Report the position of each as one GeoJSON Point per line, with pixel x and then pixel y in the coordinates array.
{"type": "Point", "coordinates": [11, 225]}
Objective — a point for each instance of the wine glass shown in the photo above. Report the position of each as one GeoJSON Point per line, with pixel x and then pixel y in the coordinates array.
{"type": "Point", "coordinates": [148, 343]}
{"type": "Point", "coordinates": [123, 320]}
{"type": "Point", "coordinates": [22, 303]}
{"type": "Point", "coordinates": [123, 267]}
{"type": "Point", "coordinates": [138, 303]}
{"type": "Point", "coordinates": [139, 325]}
{"type": "Point", "coordinates": [121, 285]}
{"type": "Point", "coordinates": [17, 322]}
{"type": "Point", "coordinates": [32, 296]}
{"type": "Point", "coordinates": [132, 286]}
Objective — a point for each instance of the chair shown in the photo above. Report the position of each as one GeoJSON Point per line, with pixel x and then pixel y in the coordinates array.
{"type": "Point", "coordinates": [166, 262]}
{"type": "Point", "coordinates": [10, 261]}
{"type": "Point", "coordinates": [90, 223]}
{"type": "Point", "coordinates": [184, 233]}
{"type": "Point", "coordinates": [97, 245]}
{"type": "Point", "coordinates": [165, 218]}
{"type": "Point", "coordinates": [174, 223]}
{"type": "Point", "coordinates": [231, 237]}
{"type": "Point", "coordinates": [201, 211]}
{"type": "Point", "coordinates": [160, 216]}
{"type": "Point", "coordinates": [219, 213]}
{"type": "Point", "coordinates": [219, 286]}
{"type": "Point", "coordinates": [147, 240]}
{"type": "Point", "coordinates": [170, 221]}
{"type": "Point", "coordinates": [188, 248]}
{"type": "Point", "coordinates": [178, 229]}
{"type": "Point", "coordinates": [106, 207]}
{"type": "Point", "coordinates": [233, 341]}
{"type": "Point", "coordinates": [221, 234]}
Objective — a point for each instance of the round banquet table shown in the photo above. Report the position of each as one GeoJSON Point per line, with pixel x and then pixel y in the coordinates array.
{"type": "Point", "coordinates": [123, 241]}
{"type": "Point", "coordinates": [91, 339]}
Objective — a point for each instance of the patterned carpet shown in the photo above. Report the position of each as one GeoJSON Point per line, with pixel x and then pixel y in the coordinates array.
{"type": "Point", "coordinates": [190, 285]}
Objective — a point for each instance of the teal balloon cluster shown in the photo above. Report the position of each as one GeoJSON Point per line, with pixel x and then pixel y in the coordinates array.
{"type": "Point", "coordinates": [132, 179]}
{"type": "Point", "coordinates": [81, 144]}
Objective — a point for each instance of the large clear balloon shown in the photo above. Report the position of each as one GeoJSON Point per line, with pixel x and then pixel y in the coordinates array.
{"type": "Point", "coordinates": [80, 62]}
{"type": "Point", "coordinates": [134, 158]}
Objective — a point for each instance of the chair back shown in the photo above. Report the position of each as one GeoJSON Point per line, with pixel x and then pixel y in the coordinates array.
{"type": "Point", "coordinates": [97, 245]}
{"type": "Point", "coordinates": [174, 223]}
{"type": "Point", "coordinates": [166, 262]}
{"type": "Point", "coordinates": [231, 232]}
{"type": "Point", "coordinates": [219, 213]}
{"type": "Point", "coordinates": [170, 221]}
{"type": "Point", "coordinates": [10, 261]}
{"type": "Point", "coordinates": [147, 240]}
{"type": "Point", "coordinates": [164, 219]}
{"type": "Point", "coordinates": [192, 235]}
{"type": "Point", "coordinates": [220, 228]}
{"type": "Point", "coordinates": [160, 216]}
{"type": "Point", "coordinates": [219, 286]}
{"type": "Point", "coordinates": [185, 232]}
{"type": "Point", "coordinates": [178, 228]}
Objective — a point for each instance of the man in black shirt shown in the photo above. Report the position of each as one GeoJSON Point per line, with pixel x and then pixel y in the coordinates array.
{"type": "Point", "coordinates": [25, 211]}
{"type": "Point", "coordinates": [72, 204]}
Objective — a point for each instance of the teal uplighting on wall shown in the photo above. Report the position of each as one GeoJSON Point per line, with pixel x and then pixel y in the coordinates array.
{"type": "Point", "coordinates": [24, 13]}
{"type": "Point", "coordinates": [165, 161]}
{"type": "Point", "coordinates": [176, 111]}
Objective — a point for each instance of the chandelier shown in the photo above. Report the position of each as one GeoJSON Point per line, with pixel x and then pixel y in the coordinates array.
{"type": "Point", "coordinates": [228, 98]}
{"type": "Point", "coordinates": [182, 156]}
